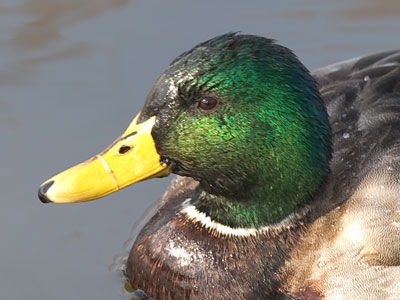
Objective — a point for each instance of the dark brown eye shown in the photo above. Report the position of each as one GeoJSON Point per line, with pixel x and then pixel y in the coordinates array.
{"type": "Point", "coordinates": [207, 103]}
{"type": "Point", "coordinates": [124, 149]}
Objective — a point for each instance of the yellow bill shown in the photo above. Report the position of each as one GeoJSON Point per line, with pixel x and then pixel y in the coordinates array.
{"type": "Point", "coordinates": [131, 158]}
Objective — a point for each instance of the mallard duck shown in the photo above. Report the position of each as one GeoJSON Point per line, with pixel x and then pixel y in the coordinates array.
{"type": "Point", "coordinates": [288, 182]}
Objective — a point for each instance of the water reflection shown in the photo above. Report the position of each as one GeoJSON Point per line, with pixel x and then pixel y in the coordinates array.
{"type": "Point", "coordinates": [372, 9]}
{"type": "Point", "coordinates": [51, 16]}
{"type": "Point", "coordinates": [353, 10]}
{"type": "Point", "coordinates": [34, 42]}
{"type": "Point", "coordinates": [23, 67]}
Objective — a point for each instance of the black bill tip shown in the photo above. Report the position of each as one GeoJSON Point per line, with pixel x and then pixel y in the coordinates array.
{"type": "Point", "coordinates": [43, 190]}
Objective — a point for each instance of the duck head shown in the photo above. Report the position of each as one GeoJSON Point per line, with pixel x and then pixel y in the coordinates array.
{"type": "Point", "coordinates": [238, 113]}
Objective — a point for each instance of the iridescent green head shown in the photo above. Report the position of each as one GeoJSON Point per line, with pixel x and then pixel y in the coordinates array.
{"type": "Point", "coordinates": [243, 116]}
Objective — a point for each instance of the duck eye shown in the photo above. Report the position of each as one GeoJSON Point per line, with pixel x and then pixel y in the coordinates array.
{"type": "Point", "coordinates": [207, 103]}
{"type": "Point", "coordinates": [124, 149]}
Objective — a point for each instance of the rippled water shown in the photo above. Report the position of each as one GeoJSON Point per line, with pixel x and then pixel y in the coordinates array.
{"type": "Point", "coordinates": [72, 76]}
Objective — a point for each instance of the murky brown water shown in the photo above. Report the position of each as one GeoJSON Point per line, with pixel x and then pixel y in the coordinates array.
{"type": "Point", "coordinates": [74, 73]}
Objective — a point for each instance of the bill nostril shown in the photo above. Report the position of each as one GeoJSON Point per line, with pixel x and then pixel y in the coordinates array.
{"type": "Point", "coordinates": [124, 149]}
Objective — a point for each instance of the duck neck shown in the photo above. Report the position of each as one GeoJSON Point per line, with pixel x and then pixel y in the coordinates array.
{"type": "Point", "coordinates": [259, 207]}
